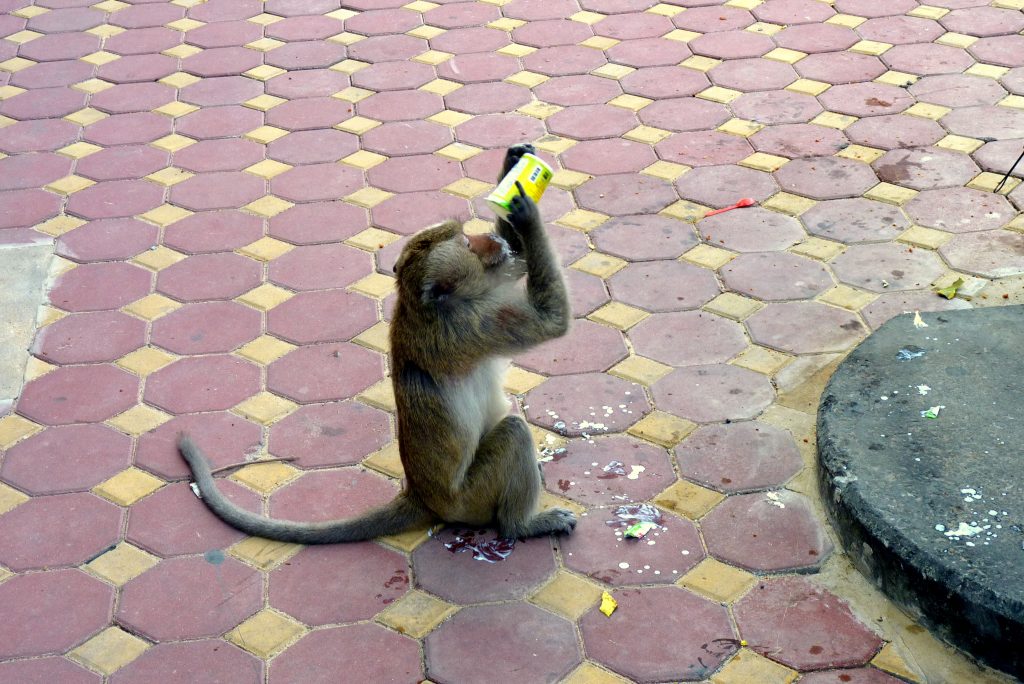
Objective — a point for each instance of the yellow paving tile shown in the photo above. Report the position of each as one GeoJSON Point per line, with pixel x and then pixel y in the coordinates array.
{"type": "Point", "coordinates": [717, 581]}
{"type": "Point", "coordinates": [892, 194]}
{"type": "Point", "coordinates": [708, 256]}
{"type": "Point", "coordinates": [173, 142]}
{"type": "Point", "coordinates": [29, 12]}
{"type": "Point", "coordinates": [109, 651]}
{"type": "Point", "coordinates": [665, 10]}
{"type": "Point", "coordinates": [699, 63]}
{"type": "Point", "coordinates": [9, 91]}
{"type": "Point", "coordinates": [449, 118]}
{"type": "Point", "coordinates": [346, 38]}
{"type": "Point", "coordinates": [618, 315]}
{"type": "Point", "coordinates": [265, 249]}
{"type": "Point", "coordinates": [152, 307]}
{"type": "Point", "coordinates": [640, 369]}
{"type": "Point", "coordinates": [364, 159]}
{"type": "Point", "coordinates": [265, 44]}
{"type": "Point", "coordinates": [425, 32]}
{"type": "Point", "coordinates": [689, 500]}
{"type": "Point", "coordinates": [847, 297]}
{"type": "Point", "coordinates": [264, 554]}
{"type": "Point", "coordinates": [765, 28]}
{"type": "Point", "coordinates": [516, 50]}
{"type": "Point", "coordinates": [381, 395]}
{"type": "Point", "coordinates": [849, 21]}
{"type": "Point", "coordinates": [761, 360]}
{"type": "Point", "coordinates": [128, 486]}
{"type": "Point", "coordinates": [590, 673]}
{"type": "Point", "coordinates": [10, 497]}
{"type": "Point", "coordinates": [613, 71]}
{"type": "Point", "coordinates": [662, 428]}
{"type": "Point", "coordinates": [377, 285]}
{"type": "Point", "coordinates": [433, 57]}
{"type": "Point", "coordinates": [69, 185]}
{"type": "Point", "coordinates": [860, 153]}
{"type": "Point", "coordinates": [59, 225]}
{"type": "Point", "coordinates": [747, 666]}
{"type": "Point", "coordinates": [870, 47]}
{"type": "Point", "coordinates": [386, 461]}
{"type": "Point", "coordinates": [159, 258]}
{"type": "Point", "coordinates": [146, 360]}
{"type": "Point", "coordinates": [568, 180]}
{"type": "Point", "coordinates": [1014, 101]}
{"type": "Point", "coordinates": [957, 40]}
{"type": "Point", "coordinates": [36, 368]}
{"type": "Point", "coordinates": [681, 36]}
{"type": "Point", "coordinates": [890, 660]}
{"type": "Point", "coordinates": [927, 111]}
{"type": "Point", "coordinates": [265, 477]}
{"type": "Point", "coordinates": [588, 18]}
{"type": "Point", "coordinates": [567, 595]}
{"type": "Point", "coordinates": [785, 55]}
{"type": "Point", "coordinates": [600, 42]}
{"type": "Point", "coordinates": [690, 212]}
{"type": "Point", "coordinates": [520, 381]}
{"type": "Point", "coordinates": [180, 80]}
{"type": "Point", "coordinates": [14, 428]}
{"type": "Point", "coordinates": [897, 78]}
{"type": "Point", "coordinates": [468, 188]}
{"type": "Point", "coordinates": [458, 151]}
{"type": "Point", "coordinates": [834, 120]}
{"type": "Point", "coordinates": [184, 25]}
{"type": "Point", "coordinates": [349, 66]}
{"type": "Point", "coordinates": [416, 614]}
{"type": "Point", "coordinates": [582, 220]}
{"type": "Point", "coordinates": [357, 125]}
{"type": "Point", "coordinates": [169, 176]}
{"type": "Point", "coordinates": [265, 408]}
{"type": "Point", "coordinates": [22, 37]}
{"type": "Point", "coordinates": [665, 170]}
{"type": "Point", "coordinates": [928, 12]}
{"type": "Point", "coordinates": [372, 239]}
{"type": "Point", "coordinates": [554, 144]}
{"type": "Point", "coordinates": [719, 94]}
{"type": "Point", "coordinates": [122, 563]}
{"type": "Point", "coordinates": [268, 168]}
{"type": "Point", "coordinates": [762, 161]}
{"type": "Point", "coordinates": [265, 297]}
{"type": "Point", "coordinates": [376, 337]}
{"type": "Point", "coordinates": [646, 134]}
{"type": "Point", "coordinates": [266, 633]}
{"type": "Point", "coordinates": [368, 197]}
{"type": "Point", "coordinates": [988, 182]}
{"type": "Point", "coordinates": [440, 86]}
{"type": "Point", "coordinates": [808, 86]}
{"type": "Point", "coordinates": [744, 4]}
{"type": "Point", "coordinates": [266, 134]}
{"type": "Point", "coordinates": [264, 349]}
{"type": "Point", "coordinates": [182, 51]}
{"type": "Point", "coordinates": [506, 24]}
{"type": "Point", "coordinates": [138, 420]}
{"type": "Point", "coordinates": [732, 305]}
{"type": "Point", "coordinates": [986, 70]}
{"type": "Point", "coordinates": [929, 238]}
{"type": "Point", "coordinates": [268, 206]}
{"type": "Point", "coordinates": [601, 265]}
{"type": "Point", "coordinates": [633, 103]}
{"type": "Point", "coordinates": [264, 102]}
{"type": "Point", "coordinates": [176, 109]}
{"type": "Point", "coordinates": [165, 215]}
{"type": "Point", "coordinates": [352, 94]}
{"type": "Point", "coordinates": [818, 248]}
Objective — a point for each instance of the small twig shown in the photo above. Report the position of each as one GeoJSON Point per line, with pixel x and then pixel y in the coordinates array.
{"type": "Point", "coordinates": [245, 463]}
{"type": "Point", "coordinates": [1008, 172]}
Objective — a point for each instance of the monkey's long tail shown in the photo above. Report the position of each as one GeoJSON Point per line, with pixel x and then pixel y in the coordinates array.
{"type": "Point", "coordinates": [398, 515]}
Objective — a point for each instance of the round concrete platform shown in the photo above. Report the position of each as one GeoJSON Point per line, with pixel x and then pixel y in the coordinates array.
{"type": "Point", "coordinates": [932, 509]}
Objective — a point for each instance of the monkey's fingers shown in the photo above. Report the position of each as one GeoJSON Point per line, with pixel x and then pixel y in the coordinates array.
{"type": "Point", "coordinates": [519, 187]}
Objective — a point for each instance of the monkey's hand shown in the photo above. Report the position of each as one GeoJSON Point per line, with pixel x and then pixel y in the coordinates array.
{"type": "Point", "coordinates": [513, 155]}
{"type": "Point", "coordinates": [524, 217]}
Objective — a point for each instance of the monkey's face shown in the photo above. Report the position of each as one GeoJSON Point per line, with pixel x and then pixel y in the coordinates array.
{"type": "Point", "coordinates": [442, 263]}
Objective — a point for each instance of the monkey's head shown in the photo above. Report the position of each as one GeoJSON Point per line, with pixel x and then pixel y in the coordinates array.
{"type": "Point", "coordinates": [442, 263]}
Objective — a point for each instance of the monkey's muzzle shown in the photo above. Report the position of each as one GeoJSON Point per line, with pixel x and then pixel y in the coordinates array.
{"type": "Point", "coordinates": [490, 248]}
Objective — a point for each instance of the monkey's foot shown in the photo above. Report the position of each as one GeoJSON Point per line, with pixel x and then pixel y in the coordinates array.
{"type": "Point", "coordinates": [553, 521]}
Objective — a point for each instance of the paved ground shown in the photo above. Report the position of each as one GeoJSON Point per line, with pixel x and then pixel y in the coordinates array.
{"type": "Point", "coordinates": [187, 160]}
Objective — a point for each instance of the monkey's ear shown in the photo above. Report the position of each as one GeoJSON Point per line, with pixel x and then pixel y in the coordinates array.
{"type": "Point", "coordinates": [438, 291]}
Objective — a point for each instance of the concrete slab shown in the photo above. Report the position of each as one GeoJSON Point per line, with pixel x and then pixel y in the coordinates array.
{"type": "Point", "coordinates": [931, 509]}
{"type": "Point", "coordinates": [23, 274]}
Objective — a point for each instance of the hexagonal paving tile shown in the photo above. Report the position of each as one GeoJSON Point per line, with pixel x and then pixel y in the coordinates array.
{"type": "Point", "coordinates": [205, 383]}
{"type": "Point", "coordinates": [840, 67]}
{"type": "Point", "coordinates": [622, 194]}
{"type": "Point", "coordinates": [192, 660]}
{"type": "Point", "coordinates": [598, 549]}
{"type": "Point", "coordinates": [564, 403]}
{"type": "Point", "coordinates": [957, 90]}
{"type": "Point", "coordinates": [330, 434]}
{"type": "Point", "coordinates": [609, 156]}
{"type": "Point", "coordinates": [190, 597]}
{"type": "Point", "coordinates": [224, 438]}
{"type": "Point", "coordinates": [171, 522]}
{"type": "Point", "coordinates": [663, 285]}
{"type": "Point", "coordinates": [50, 612]}
{"type": "Point", "coordinates": [324, 372]}
{"type": "Point", "coordinates": [589, 347]}
{"type": "Point", "coordinates": [959, 210]}
{"type": "Point", "coordinates": [671, 652]}
{"type": "Point", "coordinates": [367, 652]}
{"type": "Point", "coordinates": [319, 267]}
{"type": "Point", "coordinates": [751, 230]}
{"type": "Point", "coordinates": [887, 266]}
{"type": "Point", "coordinates": [66, 459]}
{"type": "Point", "coordinates": [926, 168]}
{"type": "Point", "coordinates": [53, 668]}
{"type": "Point", "coordinates": [720, 186]}
{"type": "Point", "coordinates": [455, 575]}
{"type": "Point", "coordinates": [813, 616]}
{"type": "Point", "coordinates": [627, 469]}
{"type": "Point", "coordinates": [348, 577]}
{"type": "Point", "coordinates": [89, 338]}
{"type": "Point", "coordinates": [708, 394]}
{"type": "Point", "coordinates": [771, 531]}
{"type": "Point", "coordinates": [826, 177]}
{"type": "Point", "coordinates": [228, 154]}
{"type": "Point", "coordinates": [989, 254]}
{"type": "Point", "coordinates": [78, 394]}
{"type": "Point", "coordinates": [59, 530]}
{"type": "Point", "coordinates": [799, 140]}
{"type": "Point", "coordinates": [688, 338]}
{"type": "Point", "coordinates": [739, 457]}
{"type": "Point", "coordinates": [805, 327]}
{"type": "Point", "coordinates": [209, 276]}
{"type": "Point", "coordinates": [214, 231]}
{"type": "Point", "coordinates": [644, 237]}
{"type": "Point", "coordinates": [206, 328]}
{"type": "Point", "coordinates": [504, 633]}
{"type": "Point", "coordinates": [775, 107]}
{"type": "Point", "coordinates": [776, 276]}
{"type": "Point", "coordinates": [704, 148]}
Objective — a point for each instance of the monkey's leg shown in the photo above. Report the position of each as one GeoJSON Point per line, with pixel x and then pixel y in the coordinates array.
{"type": "Point", "coordinates": [506, 465]}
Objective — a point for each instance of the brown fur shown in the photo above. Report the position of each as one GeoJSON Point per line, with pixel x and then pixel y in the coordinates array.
{"type": "Point", "coordinates": [460, 314]}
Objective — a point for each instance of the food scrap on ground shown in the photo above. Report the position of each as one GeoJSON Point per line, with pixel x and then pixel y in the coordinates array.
{"type": "Point", "coordinates": [608, 604]}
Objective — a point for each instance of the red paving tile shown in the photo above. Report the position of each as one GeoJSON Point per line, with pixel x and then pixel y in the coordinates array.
{"type": "Point", "coordinates": [623, 101]}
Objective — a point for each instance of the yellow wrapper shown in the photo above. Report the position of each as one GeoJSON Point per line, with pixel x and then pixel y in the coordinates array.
{"type": "Point", "coordinates": [531, 172]}
{"type": "Point", "coordinates": [608, 604]}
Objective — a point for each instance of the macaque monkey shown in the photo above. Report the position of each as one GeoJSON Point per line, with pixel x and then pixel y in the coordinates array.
{"type": "Point", "coordinates": [460, 314]}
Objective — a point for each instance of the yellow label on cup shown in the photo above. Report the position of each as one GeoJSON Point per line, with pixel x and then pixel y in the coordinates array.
{"type": "Point", "coordinates": [531, 172]}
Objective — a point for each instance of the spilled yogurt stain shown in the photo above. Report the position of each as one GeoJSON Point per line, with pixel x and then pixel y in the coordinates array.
{"type": "Point", "coordinates": [635, 471]}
